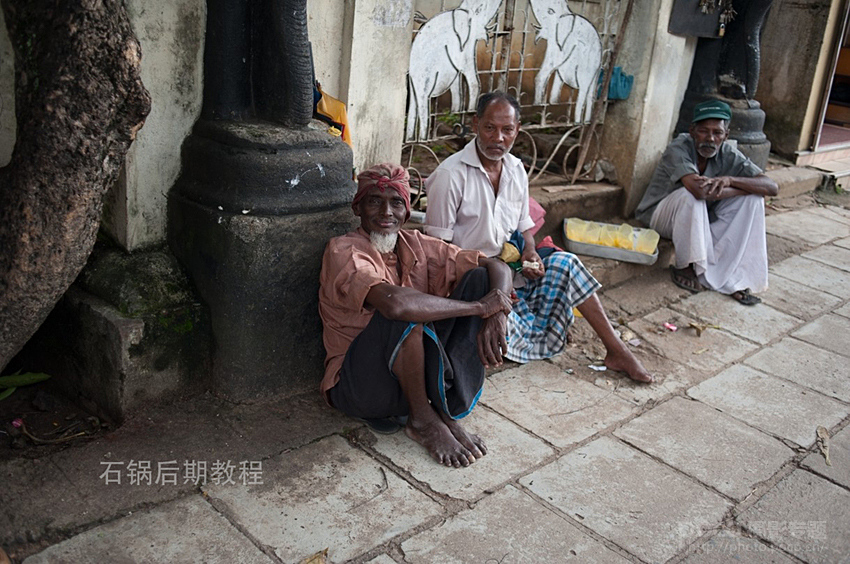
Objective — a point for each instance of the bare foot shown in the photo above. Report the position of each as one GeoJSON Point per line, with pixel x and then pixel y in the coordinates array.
{"type": "Point", "coordinates": [625, 361]}
{"type": "Point", "coordinates": [440, 443]}
{"type": "Point", "coordinates": [474, 443]}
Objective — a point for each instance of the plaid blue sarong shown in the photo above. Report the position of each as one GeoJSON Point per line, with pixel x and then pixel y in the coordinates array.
{"type": "Point", "coordinates": [538, 324]}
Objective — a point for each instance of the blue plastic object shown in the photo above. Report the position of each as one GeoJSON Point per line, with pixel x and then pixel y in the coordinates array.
{"type": "Point", "coordinates": [620, 86]}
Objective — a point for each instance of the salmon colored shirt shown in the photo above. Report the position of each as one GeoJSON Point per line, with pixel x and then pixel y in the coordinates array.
{"type": "Point", "coordinates": [351, 267]}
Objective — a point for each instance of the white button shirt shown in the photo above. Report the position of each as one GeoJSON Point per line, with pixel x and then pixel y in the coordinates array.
{"type": "Point", "coordinates": [463, 208]}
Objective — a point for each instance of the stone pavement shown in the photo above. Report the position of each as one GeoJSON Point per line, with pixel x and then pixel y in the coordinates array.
{"type": "Point", "coordinates": [716, 462]}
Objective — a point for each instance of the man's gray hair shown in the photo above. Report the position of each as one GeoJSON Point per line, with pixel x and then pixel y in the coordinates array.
{"type": "Point", "coordinates": [486, 99]}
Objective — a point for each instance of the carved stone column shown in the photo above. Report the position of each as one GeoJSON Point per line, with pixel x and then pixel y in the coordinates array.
{"type": "Point", "coordinates": [263, 188]}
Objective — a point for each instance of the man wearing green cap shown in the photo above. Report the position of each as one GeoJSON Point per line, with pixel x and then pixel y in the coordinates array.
{"type": "Point", "coordinates": [708, 198]}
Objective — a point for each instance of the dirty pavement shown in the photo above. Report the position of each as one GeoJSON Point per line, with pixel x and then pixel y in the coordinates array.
{"type": "Point", "coordinates": [739, 451]}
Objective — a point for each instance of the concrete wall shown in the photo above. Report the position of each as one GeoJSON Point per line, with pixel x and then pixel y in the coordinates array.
{"type": "Point", "coordinates": [329, 26]}
{"type": "Point", "coordinates": [787, 81]}
{"type": "Point", "coordinates": [637, 130]}
{"type": "Point", "coordinates": [171, 33]}
{"type": "Point", "coordinates": [361, 50]}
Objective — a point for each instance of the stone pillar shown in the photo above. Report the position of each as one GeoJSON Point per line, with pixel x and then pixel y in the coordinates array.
{"type": "Point", "coordinates": [263, 188]}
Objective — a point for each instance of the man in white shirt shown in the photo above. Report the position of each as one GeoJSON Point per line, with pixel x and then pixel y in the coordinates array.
{"type": "Point", "coordinates": [477, 199]}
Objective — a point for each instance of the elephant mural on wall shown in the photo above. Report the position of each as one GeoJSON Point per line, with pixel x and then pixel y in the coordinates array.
{"type": "Point", "coordinates": [442, 53]}
{"type": "Point", "coordinates": [573, 53]}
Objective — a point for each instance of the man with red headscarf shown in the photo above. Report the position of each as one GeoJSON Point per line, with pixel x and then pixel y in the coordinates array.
{"type": "Point", "coordinates": [410, 322]}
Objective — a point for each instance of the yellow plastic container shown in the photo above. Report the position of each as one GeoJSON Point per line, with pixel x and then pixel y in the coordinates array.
{"type": "Point", "coordinates": [576, 229]}
{"type": "Point", "coordinates": [646, 241]}
{"type": "Point", "coordinates": [625, 237]}
{"type": "Point", "coordinates": [583, 238]}
{"type": "Point", "coordinates": [593, 233]}
{"type": "Point", "coordinates": [608, 235]}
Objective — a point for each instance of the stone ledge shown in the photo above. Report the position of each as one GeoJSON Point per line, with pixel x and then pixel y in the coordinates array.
{"type": "Point", "coordinates": [794, 181]}
{"type": "Point", "coordinates": [113, 364]}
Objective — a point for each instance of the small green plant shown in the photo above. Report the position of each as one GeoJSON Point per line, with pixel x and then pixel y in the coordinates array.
{"type": "Point", "coordinates": [449, 119]}
{"type": "Point", "coordinates": [8, 384]}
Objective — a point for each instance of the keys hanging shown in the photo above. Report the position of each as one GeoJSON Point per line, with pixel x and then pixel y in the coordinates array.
{"type": "Point", "coordinates": [726, 16]}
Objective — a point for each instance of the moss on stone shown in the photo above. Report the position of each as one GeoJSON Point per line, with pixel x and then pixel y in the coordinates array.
{"type": "Point", "coordinates": [136, 284]}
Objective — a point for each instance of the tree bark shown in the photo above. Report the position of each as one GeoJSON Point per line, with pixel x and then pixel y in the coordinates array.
{"type": "Point", "coordinates": [79, 103]}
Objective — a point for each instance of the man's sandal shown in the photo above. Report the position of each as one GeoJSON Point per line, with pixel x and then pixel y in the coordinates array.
{"type": "Point", "coordinates": [745, 297]}
{"type": "Point", "coordinates": [686, 279]}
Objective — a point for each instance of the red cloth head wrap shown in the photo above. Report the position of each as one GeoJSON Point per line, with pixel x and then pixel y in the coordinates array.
{"type": "Point", "coordinates": [384, 175]}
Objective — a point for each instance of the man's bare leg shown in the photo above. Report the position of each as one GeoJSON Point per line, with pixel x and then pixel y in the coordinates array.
{"type": "Point", "coordinates": [618, 356]}
{"type": "Point", "coordinates": [425, 425]}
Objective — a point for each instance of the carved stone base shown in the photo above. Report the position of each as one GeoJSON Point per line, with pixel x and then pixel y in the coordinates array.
{"type": "Point", "coordinates": [249, 219]}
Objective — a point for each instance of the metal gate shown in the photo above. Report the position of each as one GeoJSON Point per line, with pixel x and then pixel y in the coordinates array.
{"type": "Point", "coordinates": [517, 50]}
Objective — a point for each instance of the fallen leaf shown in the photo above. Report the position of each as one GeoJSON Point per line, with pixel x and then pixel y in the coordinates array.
{"type": "Point", "coordinates": [16, 380]}
{"type": "Point", "coordinates": [823, 443]}
{"type": "Point", "coordinates": [700, 327]}
{"type": "Point", "coordinates": [320, 557]}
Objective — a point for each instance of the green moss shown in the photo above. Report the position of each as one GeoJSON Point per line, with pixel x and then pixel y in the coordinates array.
{"type": "Point", "coordinates": [139, 284]}
{"type": "Point", "coordinates": [180, 324]}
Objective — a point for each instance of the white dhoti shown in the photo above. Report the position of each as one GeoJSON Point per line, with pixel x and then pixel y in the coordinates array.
{"type": "Point", "coordinates": [726, 242]}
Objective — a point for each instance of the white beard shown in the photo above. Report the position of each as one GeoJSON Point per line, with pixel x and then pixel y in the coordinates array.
{"type": "Point", "coordinates": [383, 243]}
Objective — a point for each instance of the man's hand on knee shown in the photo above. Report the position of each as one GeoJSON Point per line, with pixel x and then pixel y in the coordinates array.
{"type": "Point", "coordinates": [494, 302]}
{"type": "Point", "coordinates": [492, 342]}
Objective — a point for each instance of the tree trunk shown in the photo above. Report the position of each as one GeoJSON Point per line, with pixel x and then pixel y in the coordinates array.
{"type": "Point", "coordinates": [79, 103]}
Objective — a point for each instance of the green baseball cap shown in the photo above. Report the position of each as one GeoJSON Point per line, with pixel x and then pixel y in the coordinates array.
{"type": "Point", "coordinates": [712, 109]}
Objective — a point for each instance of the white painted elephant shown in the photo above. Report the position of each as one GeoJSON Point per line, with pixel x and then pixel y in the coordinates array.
{"type": "Point", "coordinates": [443, 51]}
{"type": "Point", "coordinates": [573, 53]}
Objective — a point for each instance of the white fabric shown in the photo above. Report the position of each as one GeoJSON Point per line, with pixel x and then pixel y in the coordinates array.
{"type": "Point", "coordinates": [463, 209]}
{"type": "Point", "coordinates": [726, 244]}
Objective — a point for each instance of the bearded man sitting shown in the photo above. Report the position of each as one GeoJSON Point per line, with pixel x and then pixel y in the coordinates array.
{"type": "Point", "coordinates": [410, 323]}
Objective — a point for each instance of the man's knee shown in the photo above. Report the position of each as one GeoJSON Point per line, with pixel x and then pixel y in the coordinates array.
{"type": "Point", "coordinates": [749, 205]}
{"type": "Point", "coordinates": [473, 286]}
{"type": "Point", "coordinates": [684, 201]}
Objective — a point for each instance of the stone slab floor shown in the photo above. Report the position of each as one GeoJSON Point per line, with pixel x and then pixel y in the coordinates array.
{"type": "Point", "coordinates": [718, 461]}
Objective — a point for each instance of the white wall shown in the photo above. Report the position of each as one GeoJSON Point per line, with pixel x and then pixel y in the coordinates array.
{"type": "Point", "coordinates": [637, 130]}
{"type": "Point", "coordinates": [365, 65]}
{"type": "Point", "coordinates": [171, 33]}
{"type": "Point", "coordinates": [329, 26]}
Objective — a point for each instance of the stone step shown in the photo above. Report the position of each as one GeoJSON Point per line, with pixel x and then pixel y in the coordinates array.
{"type": "Point", "coordinates": [591, 201]}
{"type": "Point", "coordinates": [794, 181]}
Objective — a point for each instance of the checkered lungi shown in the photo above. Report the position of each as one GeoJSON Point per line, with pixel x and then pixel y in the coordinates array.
{"type": "Point", "coordinates": [538, 324]}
